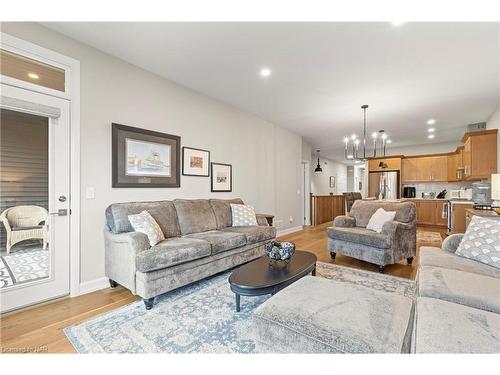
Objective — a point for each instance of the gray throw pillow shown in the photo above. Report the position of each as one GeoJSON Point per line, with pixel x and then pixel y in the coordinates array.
{"type": "Point", "coordinates": [243, 215]}
{"type": "Point", "coordinates": [481, 241]}
{"type": "Point", "coordinates": [145, 223]}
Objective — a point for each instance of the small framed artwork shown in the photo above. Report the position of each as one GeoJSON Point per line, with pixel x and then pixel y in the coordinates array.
{"type": "Point", "coordinates": [144, 158]}
{"type": "Point", "coordinates": [195, 162]}
{"type": "Point", "coordinates": [332, 182]}
{"type": "Point", "coordinates": [222, 177]}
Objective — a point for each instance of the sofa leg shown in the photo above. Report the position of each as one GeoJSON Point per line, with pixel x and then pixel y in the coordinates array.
{"type": "Point", "coordinates": [332, 254]}
{"type": "Point", "coordinates": [409, 260]}
{"type": "Point", "coordinates": [381, 269]}
{"type": "Point", "coordinates": [112, 283]}
{"type": "Point", "coordinates": [148, 302]}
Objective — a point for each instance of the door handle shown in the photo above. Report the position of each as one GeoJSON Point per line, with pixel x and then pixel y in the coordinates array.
{"type": "Point", "coordinates": [60, 212]}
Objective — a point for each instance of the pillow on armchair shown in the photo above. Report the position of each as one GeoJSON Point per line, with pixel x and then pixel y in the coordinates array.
{"type": "Point", "coordinates": [243, 215]}
{"type": "Point", "coordinates": [379, 218]}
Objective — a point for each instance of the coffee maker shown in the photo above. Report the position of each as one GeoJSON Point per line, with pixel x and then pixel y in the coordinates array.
{"type": "Point", "coordinates": [409, 192]}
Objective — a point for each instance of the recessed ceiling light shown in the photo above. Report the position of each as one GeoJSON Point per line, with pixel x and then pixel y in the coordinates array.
{"type": "Point", "coordinates": [430, 136]}
{"type": "Point", "coordinates": [33, 75]}
{"type": "Point", "coordinates": [265, 72]}
{"type": "Point", "coordinates": [431, 130]}
{"type": "Point", "coordinates": [397, 23]}
{"type": "Point", "coordinates": [389, 141]}
{"type": "Point", "coordinates": [431, 121]}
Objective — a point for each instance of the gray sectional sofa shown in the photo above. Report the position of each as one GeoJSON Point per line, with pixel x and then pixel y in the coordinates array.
{"type": "Point", "coordinates": [200, 241]}
{"type": "Point", "coordinates": [456, 310]}
{"type": "Point", "coordinates": [398, 240]}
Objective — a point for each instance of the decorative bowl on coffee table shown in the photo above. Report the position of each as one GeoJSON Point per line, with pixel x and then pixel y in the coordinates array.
{"type": "Point", "coordinates": [280, 251]}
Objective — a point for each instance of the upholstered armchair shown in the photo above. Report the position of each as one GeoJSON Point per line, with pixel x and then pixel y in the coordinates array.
{"type": "Point", "coordinates": [398, 240]}
{"type": "Point", "coordinates": [25, 223]}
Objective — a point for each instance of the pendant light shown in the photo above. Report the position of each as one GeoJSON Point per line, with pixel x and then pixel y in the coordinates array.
{"type": "Point", "coordinates": [318, 167]}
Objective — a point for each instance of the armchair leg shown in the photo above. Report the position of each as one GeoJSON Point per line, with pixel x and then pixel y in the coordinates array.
{"type": "Point", "coordinates": [381, 269]}
{"type": "Point", "coordinates": [148, 302]}
{"type": "Point", "coordinates": [332, 254]}
{"type": "Point", "coordinates": [113, 283]}
{"type": "Point", "coordinates": [409, 260]}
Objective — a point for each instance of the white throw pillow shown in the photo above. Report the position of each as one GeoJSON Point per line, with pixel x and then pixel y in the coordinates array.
{"type": "Point", "coordinates": [243, 215]}
{"type": "Point", "coordinates": [379, 218]}
{"type": "Point", "coordinates": [145, 223]}
{"type": "Point", "coordinates": [481, 241]}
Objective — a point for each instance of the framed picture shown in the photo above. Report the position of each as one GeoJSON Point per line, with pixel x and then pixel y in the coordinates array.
{"type": "Point", "coordinates": [222, 177]}
{"type": "Point", "coordinates": [144, 158]}
{"type": "Point", "coordinates": [332, 181]}
{"type": "Point", "coordinates": [195, 162]}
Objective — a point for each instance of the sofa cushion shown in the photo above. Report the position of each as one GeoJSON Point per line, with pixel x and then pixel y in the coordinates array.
{"type": "Point", "coordinates": [362, 211]}
{"type": "Point", "coordinates": [220, 241]}
{"type": "Point", "coordinates": [360, 235]}
{"type": "Point", "coordinates": [162, 211]}
{"type": "Point", "coordinates": [445, 327]}
{"type": "Point", "coordinates": [195, 215]}
{"type": "Point", "coordinates": [222, 211]}
{"type": "Point", "coordinates": [243, 215]}
{"type": "Point", "coordinates": [171, 252]}
{"type": "Point", "coordinates": [481, 241]}
{"type": "Point", "coordinates": [316, 315]}
{"type": "Point", "coordinates": [145, 223]}
{"type": "Point", "coordinates": [433, 256]}
{"type": "Point", "coordinates": [469, 289]}
{"type": "Point", "coordinates": [254, 234]}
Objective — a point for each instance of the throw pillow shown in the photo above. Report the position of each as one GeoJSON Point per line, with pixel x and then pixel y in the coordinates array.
{"type": "Point", "coordinates": [145, 223]}
{"type": "Point", "coordinates": [243, 215]}
{"type": "Point", "coordinates": [481, 241]}
{"type": "Point", "coordinates": [379, 218]}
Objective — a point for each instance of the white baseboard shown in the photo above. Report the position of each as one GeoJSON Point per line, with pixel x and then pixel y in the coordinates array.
{"type": "Point", "coordinates": [288, 231]}
{"type": "Point", "coordinates": [93, 285]}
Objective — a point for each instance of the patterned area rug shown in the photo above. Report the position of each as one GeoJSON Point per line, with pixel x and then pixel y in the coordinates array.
{"type": "Point", "coordinates": [199, 318]}
{"type": "Point", "coordinates": [429, 238]}
{"type": "Point", "coordinates": [23, 266]}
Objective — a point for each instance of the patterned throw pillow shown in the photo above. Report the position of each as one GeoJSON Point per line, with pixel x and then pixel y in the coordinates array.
{"type": "Point", "coordinates": [243, 215]}
{"type": "Point", "coordinates": [145, 223]}
{"type": "Point", "coordinates": [379, 218]}
{"type": "Point", "coordinates": [481, 241]}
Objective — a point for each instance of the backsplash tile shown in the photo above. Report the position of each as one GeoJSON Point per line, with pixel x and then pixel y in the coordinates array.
{"type": "Point", "coordinates": [437, 187]}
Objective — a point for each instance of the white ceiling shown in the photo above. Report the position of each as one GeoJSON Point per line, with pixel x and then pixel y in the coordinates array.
{"type": "Point", "coordinates": [324, 72]}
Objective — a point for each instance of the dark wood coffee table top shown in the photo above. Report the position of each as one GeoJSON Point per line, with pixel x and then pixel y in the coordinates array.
{"type": "Point", "coordinates": [260, 277]}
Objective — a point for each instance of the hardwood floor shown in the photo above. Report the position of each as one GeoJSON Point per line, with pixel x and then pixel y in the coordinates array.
{"type": "Point", "coordinates": [40, 329]}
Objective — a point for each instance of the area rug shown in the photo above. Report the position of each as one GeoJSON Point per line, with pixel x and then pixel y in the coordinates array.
{"type": "Point", "coordinates": [199, 318]}
{"type": "Point", "coordinates": [23, 266]}
{"type": "Point", "coordinates": [425, 238]}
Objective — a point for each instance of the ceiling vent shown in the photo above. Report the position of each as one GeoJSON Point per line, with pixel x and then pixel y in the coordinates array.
{"type": "Point", "coordinates": [476, 127]}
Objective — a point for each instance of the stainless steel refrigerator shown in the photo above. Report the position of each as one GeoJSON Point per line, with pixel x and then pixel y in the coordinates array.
{"type": "Point", "coordinates": [383, 185]}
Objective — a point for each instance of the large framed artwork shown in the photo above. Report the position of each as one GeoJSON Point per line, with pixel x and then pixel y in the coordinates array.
{"type": "Point", "coordinates": [222, 177]}
{"type": "Point", "coordinates": [195, 162]}
{"type": "Point", "coordinates": [144, 158]}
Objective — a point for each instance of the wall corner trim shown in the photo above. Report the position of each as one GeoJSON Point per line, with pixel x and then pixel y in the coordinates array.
{"type": "Point", "coordinates": [288, 231]}
{"type": "Point", "coordinates": [93, 285]}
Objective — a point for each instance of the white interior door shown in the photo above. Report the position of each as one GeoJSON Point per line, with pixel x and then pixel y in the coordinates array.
{"type": "Point", "coordinates": [36, 138]}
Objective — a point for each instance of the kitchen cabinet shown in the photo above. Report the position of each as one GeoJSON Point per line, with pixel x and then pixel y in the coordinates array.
{"type": "Point", "coordinates": [425, 169]}
{"type": "Point", "coordinates": [390, 164]}
{"type": "Point", "coordinates": [431, 212]}
{"type": "Point", "coordinates": [479, 155]}
{"type": "Point", "coordinates": [455, 165]}
{"type": "Point", "coordinates": [458, 217]}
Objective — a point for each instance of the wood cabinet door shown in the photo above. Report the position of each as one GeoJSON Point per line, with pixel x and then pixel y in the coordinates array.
{"type": "Point", "coordinates": [409, 170]}
{"type": "Point", "coordinates": [424, 169]}
{"type": "Point", "coordinates": [393, 164]}
{"type": "Point", "coordinates": [452, 168]}
{"type": "Point", "coordinates": [426, 212]}
{"type": "Point", "coordinates": [439, 168]}
{"type": "Point", "coordinates": [467, 157]}
{"type": "Point", "coordinates": [458, 217]}
{"type": "Point", "coordinates": [440, 214]}
{"type": "Point", "coordinates": [483, 151]}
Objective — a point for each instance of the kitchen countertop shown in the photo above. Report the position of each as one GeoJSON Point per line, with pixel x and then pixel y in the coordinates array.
{"type": "Point", "coordinates": [482, 213]}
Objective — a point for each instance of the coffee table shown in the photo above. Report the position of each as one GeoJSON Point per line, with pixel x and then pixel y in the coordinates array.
{"type": "Point", "coordinates": [259, 277]}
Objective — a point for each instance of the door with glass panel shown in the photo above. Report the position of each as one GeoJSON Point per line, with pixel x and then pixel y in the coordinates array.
{"type": "Point", "coordinates": [34, 197]}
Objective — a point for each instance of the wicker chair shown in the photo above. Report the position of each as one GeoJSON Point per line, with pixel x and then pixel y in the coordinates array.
{"type": "Point", "coordinates": [25, 223]}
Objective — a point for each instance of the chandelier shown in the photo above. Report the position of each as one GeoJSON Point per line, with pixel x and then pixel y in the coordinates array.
{"type": "Point", "coordinates": [352, 144]}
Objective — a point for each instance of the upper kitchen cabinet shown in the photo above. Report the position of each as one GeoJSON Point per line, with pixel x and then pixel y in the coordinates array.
{"type": "Point", "coordinates": [392, 163]}
{"type": "Point", "coordinates": [480, 154]}
{"type": "Point", "coordinates": [425, 169]}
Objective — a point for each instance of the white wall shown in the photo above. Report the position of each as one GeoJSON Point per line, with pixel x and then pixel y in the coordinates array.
{"type": "Point", "coordinates": [494, 123]}
{"type": "Point", "coordinates": [266, 159]}
{"type": "Point", "coordinates": [320, 182]}
{"type": "Point", "coordinates": [431, 148]}
{"type": "Point", "coordinates": [359, 176]}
